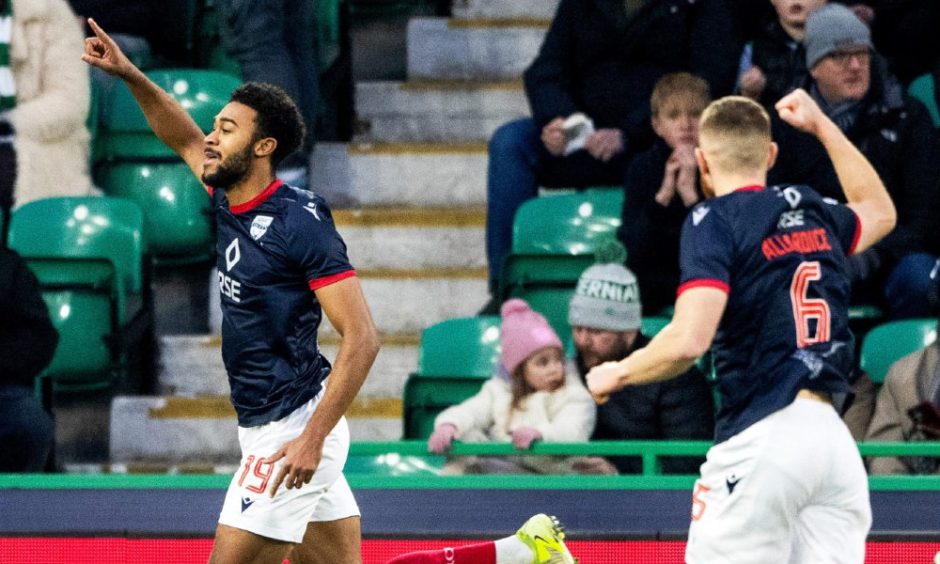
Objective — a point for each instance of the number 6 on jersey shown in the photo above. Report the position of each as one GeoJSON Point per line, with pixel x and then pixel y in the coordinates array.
{"type": "Point", "coordinates": [807, 309]}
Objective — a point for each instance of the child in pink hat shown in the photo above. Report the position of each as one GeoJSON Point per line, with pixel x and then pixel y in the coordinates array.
{"type": "Point", "coordinates": [532, 397]}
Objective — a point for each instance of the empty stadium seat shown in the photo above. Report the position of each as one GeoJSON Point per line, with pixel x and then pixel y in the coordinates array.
{"type": "Point", "coordinates": [887, 343]}
{"type": "Point", "coordinates": [126, 135]}
{"type": "Point", "coordinates": [177, 221]}
{"type": "Point", "coordinates": [87, 254]}
{"type": "Point", "coordinates": [553, 241]}
{"type": "Point", "coordinates": [455, 358]}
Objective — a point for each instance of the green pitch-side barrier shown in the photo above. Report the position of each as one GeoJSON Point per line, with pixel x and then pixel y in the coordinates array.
{"type": "Point", "coordinates": [650, 451]}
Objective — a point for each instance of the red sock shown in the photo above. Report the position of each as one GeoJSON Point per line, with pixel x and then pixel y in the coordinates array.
{"type": "Point", "coordinates": [483, 553]}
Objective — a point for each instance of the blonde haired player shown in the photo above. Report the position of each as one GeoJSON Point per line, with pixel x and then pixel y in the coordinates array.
{"type": "Point", "coordinates": [764, 284]}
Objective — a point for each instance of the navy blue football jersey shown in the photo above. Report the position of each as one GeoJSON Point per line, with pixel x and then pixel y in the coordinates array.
{"type": "Point", "coordinates": [780, 254]}
{"type": "Point", "coordinates": [273, 251]}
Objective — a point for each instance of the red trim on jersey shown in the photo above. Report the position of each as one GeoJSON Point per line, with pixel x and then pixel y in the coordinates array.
{"type": "Point", "coordinates": [751, 188]}
{"type": "Point", "coordinates": [257, 200]}
{"type": "Point", "coordinates": [704, 283]}
{"type": "Point", "coordinates": [857, 236]}
{"type": "Point", "coordinates": [318, 283]}
{"type": "Point", "coordinates": [210, 190]}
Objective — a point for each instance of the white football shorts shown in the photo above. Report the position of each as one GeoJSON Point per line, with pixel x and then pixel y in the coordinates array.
{"type": "Point", "coordinates": [285, 517]}
{"type": "Point", "coordinates": [791, 488]}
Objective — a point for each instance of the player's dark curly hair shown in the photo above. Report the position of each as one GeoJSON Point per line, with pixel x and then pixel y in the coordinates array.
{"type": "Point", "coordinates": [278, 116]}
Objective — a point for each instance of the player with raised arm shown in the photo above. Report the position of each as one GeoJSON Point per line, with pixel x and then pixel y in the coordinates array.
{"type": "Point", "coordinates": [282, 265]}
{"type": "Point", "coordinates": [764, 284]}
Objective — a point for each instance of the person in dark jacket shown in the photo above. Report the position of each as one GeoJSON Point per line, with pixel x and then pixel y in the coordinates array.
{"type": "Point", "coordinates": [604, 314]}
{"type": "Point", "coordinates": [661, 186]}
{"type": "Point", "coordinates": [776, 56]}
{"type": "Point", "coordinates": [851, 84]}
{"type": "Point", "coordinates": [600, 58]}
{"type": "Point", "coordinates": [27, 343]}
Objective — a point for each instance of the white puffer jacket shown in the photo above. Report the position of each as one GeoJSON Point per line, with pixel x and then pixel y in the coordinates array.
{"type": "Point", "coordinates": [566, 415]}
{"type": "Point", "coordinates": [52, 99]}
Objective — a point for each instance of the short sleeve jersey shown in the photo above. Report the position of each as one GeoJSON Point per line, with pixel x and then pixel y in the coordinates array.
{"type": "Point", "coordinates": [273, 252]}
{"type": "Point", "coordinates": [780, 254]}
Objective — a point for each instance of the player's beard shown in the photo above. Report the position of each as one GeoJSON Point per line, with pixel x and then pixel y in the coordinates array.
{"type": "Point", "coordinates": [231, 171]}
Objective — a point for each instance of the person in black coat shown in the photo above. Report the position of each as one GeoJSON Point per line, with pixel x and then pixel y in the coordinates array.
{"type": "Point", "coordinates": [852, 85]}
{"type": "Point", "coordinates": [600, 58]}
{"type": "Point", "coordinates": [660, 188]}
{"type": "Point", "coordinates": [27, 342]}
{"type": "Point", "coordinates": [777, 57]}
{"type": "Point", "coordinates": [604, 314]}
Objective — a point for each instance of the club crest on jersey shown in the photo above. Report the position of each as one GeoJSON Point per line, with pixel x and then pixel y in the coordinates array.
{"type": "Point", "coordinates": [260, 226]}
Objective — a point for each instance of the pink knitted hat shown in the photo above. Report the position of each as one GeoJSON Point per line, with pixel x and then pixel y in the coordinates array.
{"type": "Point", "coordinates": [524, 332]}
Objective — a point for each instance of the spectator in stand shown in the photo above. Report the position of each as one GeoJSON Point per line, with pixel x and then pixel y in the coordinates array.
{"type": "Point", "coordinates": [776, 55]}
{"type": "Point", "coordinates": [661, 186]}
{"type": "Point", "coordinates": [44, 97]}
{"type": "Point", "coordinates": [908, 407]}
{"type": "Point", "coordinates": [274, 41]}
{"type": "Point", "coordinates": [600, 58]}
{"type": "Point", "coordinates": [27, 343]}
{"type": "Point", "coordinates": [604, 315]}
{"type": "Point", "coordinates": [851, 84]}
{"type": "Point", "coordinates": [531, 398]}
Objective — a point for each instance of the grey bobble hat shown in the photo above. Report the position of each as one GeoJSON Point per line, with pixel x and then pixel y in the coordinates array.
{"type": "Point", "coordinates": [607, 296]}
{"type": "Point", "coordinates": [831, 28]}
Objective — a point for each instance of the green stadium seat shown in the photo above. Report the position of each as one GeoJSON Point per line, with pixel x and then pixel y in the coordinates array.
{"type": "Point", "coordinates": [87, 254]}
{"type": "Point", "coordinates": [887, 343]}
{"type": "Point", "coordinates": [650, 326]}
{"type": "Point", "coordinates": [923, 89]}
{"type": "Point", "coordinates": [455, 358]}
{"type": "Point", "coordinates": [566, 224]}
{"type": "Point", "coordinates": [465, 346]}
{"type": "Point", "coordinates": [126, 133]}
{"type": "Point", "coordinates": [553, 242]}
{"type": "Point", "coordinates": [177, 221]}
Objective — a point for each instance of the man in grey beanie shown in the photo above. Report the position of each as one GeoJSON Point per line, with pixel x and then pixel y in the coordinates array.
{"type": "Point", "coordinates": [852, 85]}
{"type": "Point", "coordinates": [604, 314]}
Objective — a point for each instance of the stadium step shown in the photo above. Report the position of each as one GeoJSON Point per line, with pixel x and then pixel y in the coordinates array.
{"type": "Point", "coordinates": [413, 238]}
{"type": "Point", "coordinates": [436, 111]}
{"type": "Point", "coordinates": [406, 301]}
{"type": "Point", "coordinates": [203, 430]}
{"type": "Point", "coordinates": [472, 49]}
{"type": "Point", "coordinates": [192, 365]}
{"type": "Point", "coordinates": [400, 174]}
{"type": "Point", "coordinates": [501, 9]}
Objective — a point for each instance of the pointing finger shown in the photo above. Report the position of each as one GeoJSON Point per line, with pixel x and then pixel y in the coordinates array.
{"type": "Point", "coordinates": [282, 473]}
{"type": "Point", "coordinates": [99, 33]}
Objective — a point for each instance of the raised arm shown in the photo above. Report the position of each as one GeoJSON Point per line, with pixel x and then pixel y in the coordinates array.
{"type": "Point", "coordinates": [865, 192]}
{"type": "Point", "coordinates": [168, 120]}
{"type": "Point", "coordinates": [672, 351]}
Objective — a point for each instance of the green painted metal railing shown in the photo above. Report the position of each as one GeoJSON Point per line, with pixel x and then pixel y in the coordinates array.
{"type": "Point", "coordinates": [650, 452]}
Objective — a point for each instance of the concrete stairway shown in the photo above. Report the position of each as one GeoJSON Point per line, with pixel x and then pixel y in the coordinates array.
{"type": "Point", "coordinates": [409, 198]}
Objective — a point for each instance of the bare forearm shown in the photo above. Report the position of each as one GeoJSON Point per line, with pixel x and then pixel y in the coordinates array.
{"type": "Point", "coordinates": [353, 361]}
{"type": "Point", "coordinates": [664, 358]}
{"type": "Point", "coordinates": [168, 120]}
{"type": "Point", "coordinates": [863, 188]}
